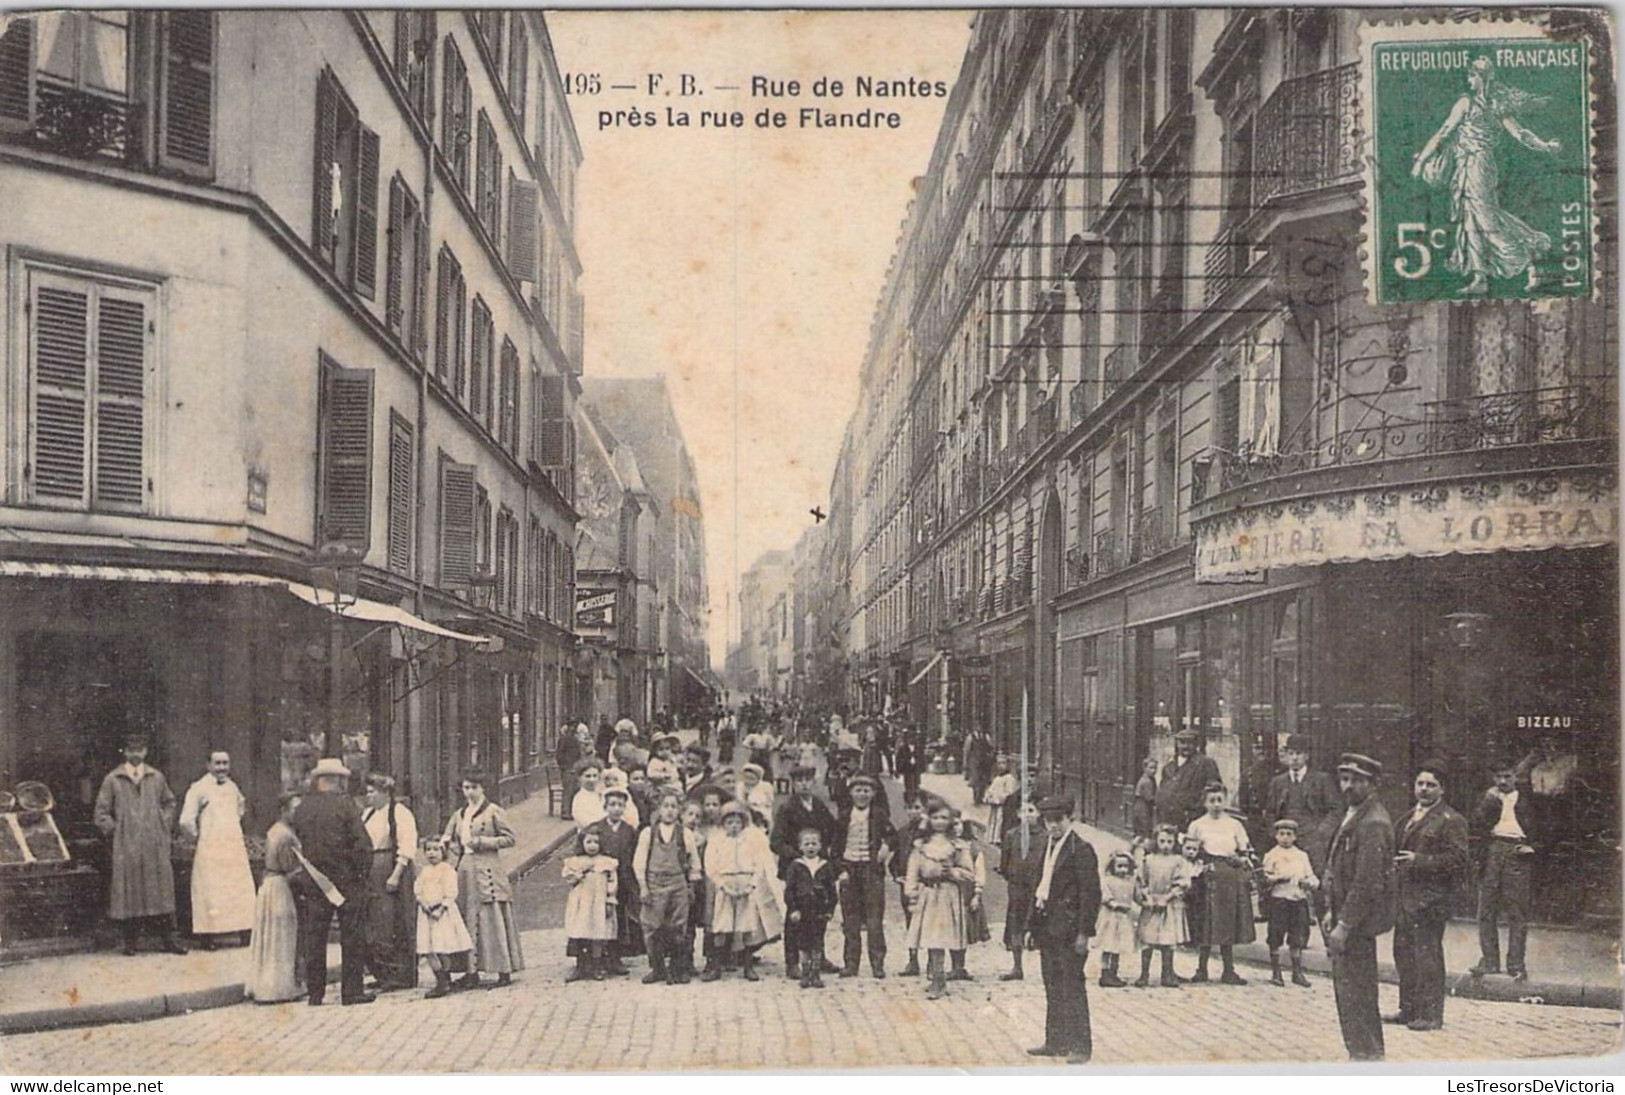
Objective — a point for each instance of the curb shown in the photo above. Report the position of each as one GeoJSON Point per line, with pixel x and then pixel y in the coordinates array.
{"type": "Point", "coordinates": [536, 858]}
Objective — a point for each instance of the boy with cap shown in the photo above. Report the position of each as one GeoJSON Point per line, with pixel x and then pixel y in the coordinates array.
{"type": "Point", "coordinates": [1061, 923]}
{"type": "Point", "coordinates": [865, 843]}
{"type": "Point", "coordinates": [809, 899]}
{"type": "Point", "coordinates": [803, 810]}
{"type": "Point", "coordinates": [1291, 879]}
{"type": "Point", "coordinates": [667, 866]}
{"type": "Point", "coordinates": [1310, 798]}
{"type": "Point", "coordinates": [1359, 896]}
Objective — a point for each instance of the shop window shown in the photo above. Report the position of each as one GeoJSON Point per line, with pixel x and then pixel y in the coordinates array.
{"type": "Point", "coordinates": [401, 501]}
{"type": "Point", "coordinates": [91, 363]}
{"type": "Point", "coordinates": [345, 189]}
{"type": "Point", "coordinates": [344, 505]}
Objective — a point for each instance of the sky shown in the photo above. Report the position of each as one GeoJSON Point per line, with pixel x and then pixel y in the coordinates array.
{"type": "Point", "coordinates": [744, 264]}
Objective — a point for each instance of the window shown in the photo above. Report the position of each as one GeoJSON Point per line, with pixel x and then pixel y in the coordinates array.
{"type": "Point", "coordinates": [457, 489]}
{"type": "Point", "coordinates": [552, 423]}
{"type": "Point", "coordinates": [481, 347]}
{"type": "Point", "coordinates": [488, 24]}
{"type": "Point", "coordinates": [508, 399]}
{"type": "Point", "coordinates": [488, 179]}
{"type": "Point", "coordinates": [401, 502]}
{"type": "Point", "coordinates": [345, 213]}
{"type": "Point", "coordinates": [533, 567]}
{"type": "Point", "coordinates": [136, 87]}
{"type": "Point", "coordinates": [408, 268]}
{"type": "Point", "coordinates": [518, 71]}
{"type": "Point", "coordinates": [1129, 95]}
{"type": "Point", "coordinates": [90, 355]}
{"type": "Point", "coordinates": [504, 560]}
{"type": "Point", "coordinates": [456, 114]}
{"type": "Point", "coordinates": [414, 58]}
{"type": "Point", "coordinates": [451, 297]}
{"type": "Point", "coordinates": [344, 504]}
{"type": "Point", "coordinates": [1181, 31]}
{"type": "Point", "coordinates": [482, 532]}
{"type": "Point", "coordinates": [522, 228]}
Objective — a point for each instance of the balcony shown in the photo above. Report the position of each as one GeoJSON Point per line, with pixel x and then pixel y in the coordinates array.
{"type": "Point", "coordinates": [1107, 557]}
{"type": "Point", "coordinates": [1076, 567]}
{"type": "Point", "coordinates": [1077, 401]}
{"type": "Point", "coordinates": [1308, 134]}
{"type": "Point", "coordinates": [1153, 535]}
{"type": "Point", "coordinates": [1119, 366]}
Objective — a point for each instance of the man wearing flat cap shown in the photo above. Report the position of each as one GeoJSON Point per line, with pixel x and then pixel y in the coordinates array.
{"type": "Point", "coordinates": [865, 844]}
{"type": "Point", "coordinates": [134, 809]}
{"type": "Point", "coordinates": [802, 810]}
{"type": "Point", "coordinates": [1358, 895]}
{"type": "Point", "coordinates": [1061, 924]}
{"type": "Point", "coordinates": [336, 843]}
{"type": "Point", "coordinates": [1308, 797]}
{"type": "Point", "coordinates": [1180, 790]}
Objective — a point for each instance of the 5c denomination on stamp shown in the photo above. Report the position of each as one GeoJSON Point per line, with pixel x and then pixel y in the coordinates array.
{"type": "Point", "coordinates": [1480, 168]}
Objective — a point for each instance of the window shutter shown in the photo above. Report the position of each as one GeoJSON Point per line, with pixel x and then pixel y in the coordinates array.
{"type": "Point", "coordinates": [456, 524]}
{"type": "Point", "coordinates": [59, 337]}
{"type": "Point", "coordinates": [395, 249]}
{"type": "Point", "coordinates": [459, 326]}
{"type": "Point", "coordinates": [400, 493]}
{"type": "Point", "coordinates": [365, 252]}
{"type": "Point", "coordinates": [552, 444]}
{"type": "Point", "coordinates": [420, 285]}
{"type": "Point", "coordinates": [448, 100]}
{"type": "Point", "coordinates": [521, 228]}
{"type": "Point", "coordinates": [186, 98]}
{"type": "Point", "coordinates": [465, 123]}
{"type": "Point", "coordinates": [346, 504]}
{"type": "Point", "coordinates": [121, 384]}
{"type": "Point", "coordinates": [327, 126]}
{"type": "Point", "coordinates": [479, 352]}
{"type": "Point", "coordinates": [17, 74]}
{"type": "Point", "coordinates": [442, 318]}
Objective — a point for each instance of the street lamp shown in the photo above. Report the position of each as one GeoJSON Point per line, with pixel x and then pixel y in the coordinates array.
{"type": "Point", "coordinates": [334, 572]}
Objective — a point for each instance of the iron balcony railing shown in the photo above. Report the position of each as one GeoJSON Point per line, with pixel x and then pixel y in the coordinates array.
{"type": "Point", "coordinates": [1119, 364]}
{"type": "Point", "coordinates": [1530, 417]}
{"type": "Point", "coordinates": [1077, 401]}
{"type": "Point", "coordinates": [1308, 134]}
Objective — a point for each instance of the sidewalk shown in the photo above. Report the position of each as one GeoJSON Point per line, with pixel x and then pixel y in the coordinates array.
{"type": "Point", "coordinates": [1570, 968]}
{"type": "Point", "coordinates": [105, 987]}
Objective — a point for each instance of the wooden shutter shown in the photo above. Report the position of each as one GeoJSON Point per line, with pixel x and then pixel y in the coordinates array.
{"type": "Point", "coordinates": [456, 524]}
{"type": "Point", "coordinates": [121, 385]}
{"type": "Point", "coordinates": [395, 249]}
{"type": "Point", "coordinates": [551, 443]}
{"type": "Point", "coordinates": [521, 228]}
{"type": "Point", "coordinates": [442, 317]}
{"type": "Point", "coordinates": [400, 493]}
{"type": "Point", "coordinates": [364, 255]}
{"type": "Point", "coordinates": [60, 341]}
{"type": "Point", "coordinates": [186, 92]}
{"type": "Point", "coordinates": [450, 69]}
{"type": "Point", "coordinates": [327, 128]}
{"type": "Point", "coordinates": [518, 63]}
{"type": "Point", "coordinates": [420, 286]}
{"type": "Point", "coordinates": [17, 74]}
{"type": "Point", "coordinates": [345, 515]}
{"type": "Point", "coordinates": [459, 349]}
{"type": "Point", "coordinates": [478, 352]}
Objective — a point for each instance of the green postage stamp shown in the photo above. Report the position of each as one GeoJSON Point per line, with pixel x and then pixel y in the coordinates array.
{"type": "Point", "coordinates": [1479, 168]}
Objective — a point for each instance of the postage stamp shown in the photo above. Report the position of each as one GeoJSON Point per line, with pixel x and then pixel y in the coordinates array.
{"type": "Point", "coordinates": [1479, 173]}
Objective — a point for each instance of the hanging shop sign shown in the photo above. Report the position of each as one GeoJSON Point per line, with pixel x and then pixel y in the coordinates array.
{"type": "Point", "coordinates": [1532, 513]}
{"type": "Point", "coordinates": [595, 609]}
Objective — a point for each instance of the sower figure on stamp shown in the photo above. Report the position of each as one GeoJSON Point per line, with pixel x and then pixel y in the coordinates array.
{"type": "Point", "coordinates": [134, 809]}
{"type": "Point", "coordinates": [1504, 821]}
{"type": "Point", "coordinates": [1359, 904]}
{"type": "Point", "coordinates": [1432, 863]}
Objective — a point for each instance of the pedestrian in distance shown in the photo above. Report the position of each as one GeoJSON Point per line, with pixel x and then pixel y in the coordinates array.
{"type": "Point", "coordinates": [222, 884]}
{"type": "Point", "coordinates": [1505, 823]}
{"type": "Point", "coordinates": [1144, 807]}
{"type": "Point", "coordinates": [475, 837]}
{"type": "Point", "coordinates": [978, 762]}
{"type": "Point", "coordinates": [273, 947]}
{"type": "Point", "coordinates": [937, 867]}
{"type": "Point", "coordinates": [810, 898]}
{"type": "Point", "coordinates": [1358, 900]}
{"type": "Point", "coordinates": [1182, 788]}
{"type": "Point", "coordinates": [864, 846]}
{"type": "Point", "coordinates": [441, 937]}
{"type": "Point", "coordinates": [1162, 880]}
{"type": "Point", "coordinates": [1227, 909]}
{"type": "Point", "coordinates": [1000, 791]}
{"type": "Point", "coordinates": [336, 845]}
{"type": "Point", "coordinates": [1021, 861]}
{"type": "Point", "coordinates": [567, 753]}
{"type": "Point", "coordinates": [1430, 866]}
{"type": "Point", "coordinates": [755, 791]}
{"type": "Point", "coordinates": [1114, 928]}
{"type": "Point", "coordinates": [906, 761]}
{"type": "Point", "coordinates": [1066, 905]}
{"type": "Point", "coordinates": [391, 909]}
{"type": "Point", "coordinates": [699, 904]}
{"type": "Point", "coordinates": [589, 909]}
{"type": "Point", "coordinates": [1291, 880]}
{"type": "Point", "coordinates": [134, 809]}
{"type": "Point", "coordinates": [667, 865]}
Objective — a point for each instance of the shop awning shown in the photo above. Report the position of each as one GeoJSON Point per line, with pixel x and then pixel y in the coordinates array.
{"type": "Point", "coordinates": [18, 568]}
{"type": "Point", "coordinates": [700, 679]}
{"type": "Point", "coordinates": [360, 608]}
{"type": "Point", "coordinates": [930, 665]}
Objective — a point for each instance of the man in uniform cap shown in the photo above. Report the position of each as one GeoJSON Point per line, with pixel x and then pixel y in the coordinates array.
{"type": "Point", "coordinates": [1358, 893]}
{"type": "Point", "coordinates": [1061, 924]}
{"type": "Point", "coordinates": [1180, 790]}
{"type": "Point", "coordinates": [336, 843]}
{"type": "Point", "coordinates": [1307, 797]}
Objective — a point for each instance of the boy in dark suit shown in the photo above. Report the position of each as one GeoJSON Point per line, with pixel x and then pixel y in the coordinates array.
{"type": "Point", "coordinates": [1021, 862]}
{"type": "Point", "coordinates": [865, 843]}
{"type": "Point", "coordinates": [803, 810]}
{"type": "Point", "coordinates": [809, 899]}
{"type": "Point", "coordinates": [1061, 923]}
{"type": "Point", "coordinates": [1432, 863]}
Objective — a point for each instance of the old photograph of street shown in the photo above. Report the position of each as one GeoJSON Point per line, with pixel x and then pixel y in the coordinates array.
{"type": "Point", "coordinates": [657, 541]}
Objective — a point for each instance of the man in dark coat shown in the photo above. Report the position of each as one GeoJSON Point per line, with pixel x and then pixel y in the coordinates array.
{"type": "Point", "coordinates": [336, 844]}
{"type": "Point", "coordinates": [865, 843]}
{"type": "Point", "coordinates": [1505, 823]}
{"type": "Point", "coordinates": [979, 755]}
{"type": "Point", "coordinates": [1358, 892]}
{"type": "Point", "coordinates": [1180, 790]}
{"type": "Point", "coordinates": [1432, 864]}
{"type": "Point", "coordinates": [1307, 797]}
{"type": "Point", "coordinates": [803, 810]}
{"type": "Point", "coordinates": [906, 762]}
{"type": "Point", "coordinates": [134, 809]}
{"type": "Point", "coordinates": [1061, 924]}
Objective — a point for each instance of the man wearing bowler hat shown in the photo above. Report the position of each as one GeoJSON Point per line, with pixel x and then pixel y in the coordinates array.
{"type": "Point", "coordinates": [1180, 790]}
{"type": "Point", "coordinates": [1358, 893]}
{"type": "Point", "coordinates": [1310, 798]}
{"type": "Point", "coordinates": [336, 844]}
{"type": "Point", "coordinates": [1431, 864]}
{"type": "Point", "coordinates": [1061, 924]}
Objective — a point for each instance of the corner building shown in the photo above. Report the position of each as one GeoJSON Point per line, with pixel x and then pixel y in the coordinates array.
{"type": "Point", "coordinates": [293, 341]}
{"type": "Point", "coordinates": [1125, 389]}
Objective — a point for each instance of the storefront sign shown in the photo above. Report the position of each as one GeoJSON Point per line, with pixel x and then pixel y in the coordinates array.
{"type": "Point", "coordinates": [1526, 514]}
{"type": "Point", "coordinates": [595, 609]}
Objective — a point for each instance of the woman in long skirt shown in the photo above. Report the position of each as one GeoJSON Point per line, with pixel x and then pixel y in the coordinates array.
{"type": "Point", "coordinates": [273, 951]}
{"type": "Point", "coordinates": [476, 834]}
{"type": "Point", "coordinates": [391, 908]}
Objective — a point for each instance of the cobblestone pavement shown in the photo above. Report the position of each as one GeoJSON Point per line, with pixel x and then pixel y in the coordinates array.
{"type": "Point", "coordinates": [540, 1024]}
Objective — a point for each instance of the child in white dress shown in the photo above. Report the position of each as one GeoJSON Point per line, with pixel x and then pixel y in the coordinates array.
{"type": "Point", "coordinates": [1114, 930]}
{"type": "Point", "coordinates": [589, 910]}
{"type": "Point", "coordinates": [1164, 877]}
{"type": "Point", "coordinates": [442, 935]}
